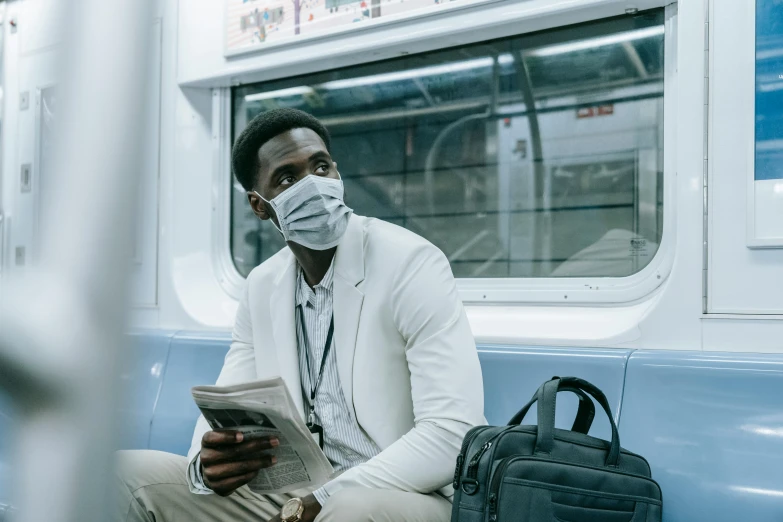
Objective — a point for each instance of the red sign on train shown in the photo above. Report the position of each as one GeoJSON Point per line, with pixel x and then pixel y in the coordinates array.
{"type": "Point", "coordinates": [590, 112]}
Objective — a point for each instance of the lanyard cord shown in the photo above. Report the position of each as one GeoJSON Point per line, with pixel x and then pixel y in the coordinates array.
{"type": "Point", "coordinates": [314, 386]}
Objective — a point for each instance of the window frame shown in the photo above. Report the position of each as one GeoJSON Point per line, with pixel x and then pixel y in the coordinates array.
{"type": "Point", "coordinates": [506, 291]}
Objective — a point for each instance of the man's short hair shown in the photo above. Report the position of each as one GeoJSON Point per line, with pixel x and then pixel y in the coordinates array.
{"type": "Point", "coordinates": [262, 128]}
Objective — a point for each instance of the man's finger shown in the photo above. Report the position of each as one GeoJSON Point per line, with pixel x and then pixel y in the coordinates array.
{"type": "Point", "coordinates": [249, 449]}
{"type": "Point", "coordinates": [227, 486]}
{"type": "Point", "coordinates": [221, 438]}
{"type": "Point", "coordinates": [213, 456]}
{"type": "Point", "coordinates": [219, 472]}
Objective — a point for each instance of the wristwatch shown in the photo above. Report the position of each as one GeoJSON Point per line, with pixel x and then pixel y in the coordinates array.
{"type": "Point", "coordinates": [292, 510]}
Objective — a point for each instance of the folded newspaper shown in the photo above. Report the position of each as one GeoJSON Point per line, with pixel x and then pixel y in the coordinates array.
{"type": "Point", "coordinates": [262, 409]}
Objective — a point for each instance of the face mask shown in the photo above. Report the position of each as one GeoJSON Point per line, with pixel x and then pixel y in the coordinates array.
{"type": "Point", "coordinates": [312, 212]}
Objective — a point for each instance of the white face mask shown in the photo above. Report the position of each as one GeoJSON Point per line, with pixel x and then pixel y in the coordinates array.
{"type": "Point", "coordinates": [312, 212]}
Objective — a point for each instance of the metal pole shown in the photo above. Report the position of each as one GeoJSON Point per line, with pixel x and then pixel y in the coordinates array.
{"type": "Point", "coordinates": [61, 324]}
{"type": "Point", "coordinates": [541, 249]}
{"type": "Point", "coordinates": [2, 132]}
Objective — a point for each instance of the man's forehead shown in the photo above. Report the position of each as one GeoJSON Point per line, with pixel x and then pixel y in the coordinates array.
{"type": "Point", "coordinates": [290, 143]}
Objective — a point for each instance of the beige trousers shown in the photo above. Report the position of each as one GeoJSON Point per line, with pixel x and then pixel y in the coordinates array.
{"type": "Point", "coordinates": [151, 487]}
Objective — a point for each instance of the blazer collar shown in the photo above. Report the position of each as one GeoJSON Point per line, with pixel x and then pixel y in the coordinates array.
{"type": "Point", "coordinates": [349, 258]}
{"type": "Point", "coordinates": [281, 307]}
{"type": "Point", "coordinates": [348, 300]}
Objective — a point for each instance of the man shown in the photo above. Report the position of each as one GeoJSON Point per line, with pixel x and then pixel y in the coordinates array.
{"type": "Point", "coordinates": [377, 308]}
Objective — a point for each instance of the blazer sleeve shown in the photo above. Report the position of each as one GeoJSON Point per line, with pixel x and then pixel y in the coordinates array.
{"type": "Point", "coordinates": [239, 367]}
{"type": "Point", "coordinates": [446, 383]}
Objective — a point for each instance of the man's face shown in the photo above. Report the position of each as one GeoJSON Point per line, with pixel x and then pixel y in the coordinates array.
{"type": "Point", "coordinates": [286, 159]}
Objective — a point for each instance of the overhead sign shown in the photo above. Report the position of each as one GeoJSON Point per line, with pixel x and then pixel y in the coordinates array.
{"type": "Point", "coordinates": [254, 24]}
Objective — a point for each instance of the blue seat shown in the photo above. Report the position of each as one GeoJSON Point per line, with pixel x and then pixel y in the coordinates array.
{"type": "Point", "coordinates": [711, 426]}
{"type": "Point", "coordinates": [142, 377]}
{"type": "Point", "coordinates": [512, 374]}
{"type": "Point", "coordinates": [194, 359]}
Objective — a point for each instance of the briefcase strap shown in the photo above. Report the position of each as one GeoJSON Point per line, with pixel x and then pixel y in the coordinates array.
{"type": "Point", "coordinates": [546, 415]}
{"type": "Point", "coordinates": [584, 414]}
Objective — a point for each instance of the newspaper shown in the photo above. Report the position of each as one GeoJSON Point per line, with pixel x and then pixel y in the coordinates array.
{"type": "Point", "coordinates": [262, 409]}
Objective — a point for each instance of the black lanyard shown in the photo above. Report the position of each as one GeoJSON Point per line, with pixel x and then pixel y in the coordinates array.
{"type": "Point", "coordinates": [327, 347]}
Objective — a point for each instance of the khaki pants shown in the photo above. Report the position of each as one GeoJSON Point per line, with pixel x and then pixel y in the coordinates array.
{"type": "Point", "coordinates": [152, 488]}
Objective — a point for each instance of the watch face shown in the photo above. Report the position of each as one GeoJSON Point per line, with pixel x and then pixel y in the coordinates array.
{"type": "Point", "coordinates": [291, 509]}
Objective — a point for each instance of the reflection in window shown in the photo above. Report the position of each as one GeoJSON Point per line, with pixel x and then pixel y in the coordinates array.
{"type": "Point", "coordinates": [534, 156]}
{"type": "Point", "coordinates": [769, 89]}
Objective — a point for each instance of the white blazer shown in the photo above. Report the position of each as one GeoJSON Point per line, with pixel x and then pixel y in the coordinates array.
{"type": "Point", "coordinates": [406, 357]}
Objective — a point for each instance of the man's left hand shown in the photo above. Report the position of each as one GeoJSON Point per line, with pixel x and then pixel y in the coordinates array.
{"type": "Point", "coordinates": [311, 510]}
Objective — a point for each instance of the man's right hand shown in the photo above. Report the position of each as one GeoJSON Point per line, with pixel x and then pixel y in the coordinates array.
{"type": "Point", "coordinates": [228, 461]}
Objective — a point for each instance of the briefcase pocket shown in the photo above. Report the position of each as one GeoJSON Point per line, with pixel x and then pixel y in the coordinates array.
{"type": "Point", "coordinates": [528, 501]}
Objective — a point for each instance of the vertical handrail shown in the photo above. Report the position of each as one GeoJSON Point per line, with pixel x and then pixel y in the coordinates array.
{"type": "Point", "coordinates": [540, 177]}
{"type": "Point", "coordinates": [61, 323]}
{"type": "Point", "coordinates": [2, 232]}
{"type": "Point", "coordinates": [2, 134]}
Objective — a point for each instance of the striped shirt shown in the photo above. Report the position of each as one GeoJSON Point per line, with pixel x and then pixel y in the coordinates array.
{"type": "Point", "coordinates": [345, 444]}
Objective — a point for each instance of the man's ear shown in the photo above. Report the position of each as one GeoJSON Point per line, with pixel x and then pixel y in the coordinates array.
{"type": "Point", "coordinates": [258, 205]}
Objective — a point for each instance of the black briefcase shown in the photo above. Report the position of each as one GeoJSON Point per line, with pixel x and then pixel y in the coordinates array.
{"type": "Point", "coordinates": [542, 474]}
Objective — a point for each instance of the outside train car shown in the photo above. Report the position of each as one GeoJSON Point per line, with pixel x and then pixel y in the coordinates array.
{"type": "Point", "coordinates": [604, 178]}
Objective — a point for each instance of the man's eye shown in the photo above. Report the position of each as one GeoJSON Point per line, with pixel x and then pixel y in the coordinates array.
{"type": "Point", "coordinates": [288, 180]}
{"type": "Point", "coordinates": [322, 169]}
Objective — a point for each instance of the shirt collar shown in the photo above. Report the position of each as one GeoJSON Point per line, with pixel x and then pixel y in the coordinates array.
{"type": "Point", "coordinates": [305, 294]}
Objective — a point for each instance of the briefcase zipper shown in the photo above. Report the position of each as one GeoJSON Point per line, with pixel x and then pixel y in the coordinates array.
{"type": "Point", "coordinates": [474, 462]}
{"type": "Point", "coordinates": [607, 469]}
{"type": "Point", "coordinates": [461, 457]}
{"type": "Point", "coordinates": [470, 485]}
{"type": "Point", "coordinates": [472, 473]}
{"type": "Point", "coordinates": [495, 486]}
{"type": "Point", "coordinates": [458, 471]}
{"type": "Point", "coordinates": [493, 507]}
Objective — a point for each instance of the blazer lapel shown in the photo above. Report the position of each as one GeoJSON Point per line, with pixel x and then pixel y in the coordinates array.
{"type": "Point", "coordinates": [349, 272]}
{"type": "Point", "coordinates": [282, 307]}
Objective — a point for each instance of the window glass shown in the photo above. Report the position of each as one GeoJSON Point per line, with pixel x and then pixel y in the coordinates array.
{"type": "Point", "coordinates": [533, 156]}
{"type": "Point", "coordinates": [769, 90]}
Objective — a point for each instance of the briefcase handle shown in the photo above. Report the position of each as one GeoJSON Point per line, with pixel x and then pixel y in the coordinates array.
{"type": "Point", "coordinates": [585, 413]}
{"type": "Point", "coordinates": [546, 414]}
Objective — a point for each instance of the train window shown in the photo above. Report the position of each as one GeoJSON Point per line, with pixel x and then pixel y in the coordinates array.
{"type": "Point", "coordinates": [533, 156]}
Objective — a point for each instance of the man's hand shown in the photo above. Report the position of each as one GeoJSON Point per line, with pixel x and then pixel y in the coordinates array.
{"type": "Point", "coordinates": [311, 510]}
{"type": "Point", "coordinates": [229, 462]}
